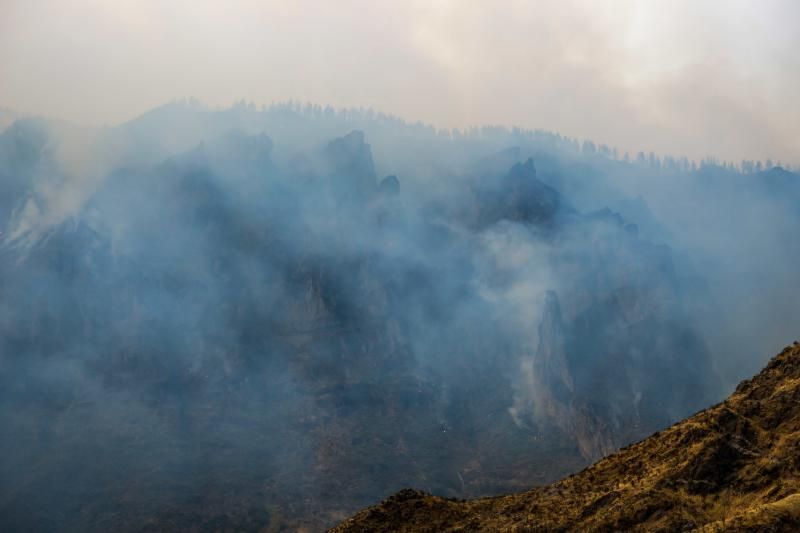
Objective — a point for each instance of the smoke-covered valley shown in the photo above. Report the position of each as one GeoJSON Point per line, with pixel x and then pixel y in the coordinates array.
{"type": "Point", "coordinates": [269, 318]}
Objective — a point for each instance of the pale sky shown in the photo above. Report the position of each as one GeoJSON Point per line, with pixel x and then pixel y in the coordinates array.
{"type": "Point", "coordinates": [687, 77]}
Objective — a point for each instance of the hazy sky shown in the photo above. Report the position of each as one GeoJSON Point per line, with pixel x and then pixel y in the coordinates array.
{"type": "Point", "coordinates": [690, 77]}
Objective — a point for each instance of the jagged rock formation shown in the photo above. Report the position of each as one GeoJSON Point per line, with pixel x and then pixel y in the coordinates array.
{"type": "Point", "coordinates": [554, 391]}
{"type": "Point", "coordinates": [732, 467]}
{"type": "Point", "coordinates": [519, 196]}
{"type": "Point", "coordinates": [390, 185]}
{"type": "Point", "coordinates": [552, 380]}
{"type": "Point", "coordinates": [352, 169]}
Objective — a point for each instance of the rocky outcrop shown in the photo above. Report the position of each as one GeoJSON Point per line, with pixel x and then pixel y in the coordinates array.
{"type": "Point", "coordinates": [518, 196]}
{"type": "Point", "coordinates": [555, 403]}
{"type": "Point", "coordinates": [552, 379]}
{"type": "Point", "coordinates": [351, 169]}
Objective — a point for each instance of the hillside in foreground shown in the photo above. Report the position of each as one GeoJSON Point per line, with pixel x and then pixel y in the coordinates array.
{"type": "Point", "coordinates": [732, 467]}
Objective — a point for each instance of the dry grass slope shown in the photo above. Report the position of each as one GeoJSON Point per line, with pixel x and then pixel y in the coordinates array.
{"type": "Point", "coordinates": [732, 467]}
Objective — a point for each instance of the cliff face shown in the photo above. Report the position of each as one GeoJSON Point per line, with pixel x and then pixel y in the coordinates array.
{"type": "Point", "coordinates": [609, 340]}
{"type": "Point", "coordinates": [732, 467]}
{"type": "Point", "coordinates": [555, 401]}
{"type": "Point", "coordinates": [552, 379]}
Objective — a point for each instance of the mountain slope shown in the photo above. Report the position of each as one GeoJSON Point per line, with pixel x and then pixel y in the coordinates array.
{"type": "Point", "coordinates": [307, 339]}
{"type": "Point", "coordinates": [732, 467]}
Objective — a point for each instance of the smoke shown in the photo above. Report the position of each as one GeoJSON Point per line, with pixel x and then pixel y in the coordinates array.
{"type": "Point", "coordinates": [272, 317]}
{"type": "Point", "coordinates": [691, 78]}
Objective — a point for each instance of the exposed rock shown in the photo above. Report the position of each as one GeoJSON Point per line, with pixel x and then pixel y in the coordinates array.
{"type": "Point", "coordinates": [352, 171]}
{"type": "Point", "coordinates": [553, 381]}
{"type": "Point", "coordinates": [518, 196]}
{"type": "Point", "coordinates": [390, 185]}
{"type": "Point", "coordinates": [555, 402]}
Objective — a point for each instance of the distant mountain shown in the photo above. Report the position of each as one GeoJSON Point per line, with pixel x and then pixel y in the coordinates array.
{"type": "Point", "coordinates": [732, 467]}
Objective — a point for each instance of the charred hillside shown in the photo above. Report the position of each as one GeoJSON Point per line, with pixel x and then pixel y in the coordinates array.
{"type": "Point", "coordinates": [732, 467]}
{"type": "Point", "coordinates": [314, 326]}
{"type": "Point", "coordinates": [241, 319]}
